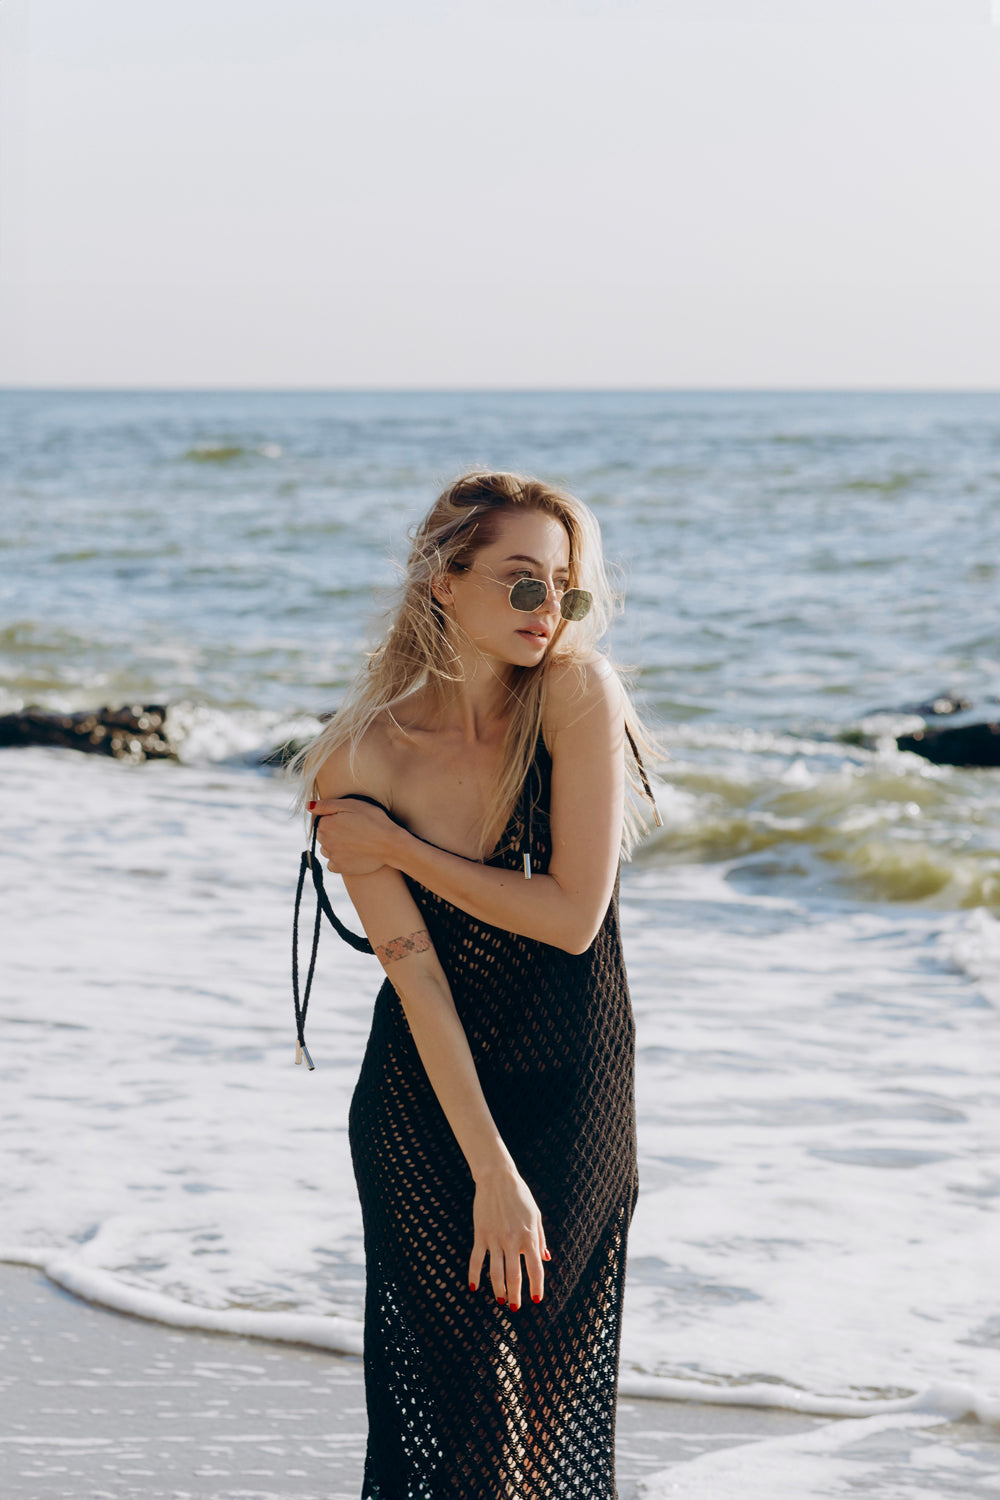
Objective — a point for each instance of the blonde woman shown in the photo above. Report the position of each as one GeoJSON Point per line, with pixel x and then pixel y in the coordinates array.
{"type": "Point", "coordinates": [471, 791]}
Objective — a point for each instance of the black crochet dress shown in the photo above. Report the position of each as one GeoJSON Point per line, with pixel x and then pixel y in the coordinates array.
{"type": "Point", "coordinates": [466, 1400]}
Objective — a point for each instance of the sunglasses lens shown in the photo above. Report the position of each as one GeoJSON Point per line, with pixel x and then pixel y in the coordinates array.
{"type": "Point", "coordinates": [528, 594]}
{"type": "Point", "coordinates": [576, 603]}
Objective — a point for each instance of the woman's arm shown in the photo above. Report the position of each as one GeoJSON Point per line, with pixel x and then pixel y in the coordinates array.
{"type": "Point", "coordinates": [566, 906]}
{"type": "Point", "coordinates": [506, 1220]}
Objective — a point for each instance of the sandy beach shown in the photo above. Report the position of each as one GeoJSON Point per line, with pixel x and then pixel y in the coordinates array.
{"type": "Point", "coordinates": [98, 1406]}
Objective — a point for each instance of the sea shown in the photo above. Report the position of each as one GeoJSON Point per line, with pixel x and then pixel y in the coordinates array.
{"type": "Point", "coordinates": [812, 937]}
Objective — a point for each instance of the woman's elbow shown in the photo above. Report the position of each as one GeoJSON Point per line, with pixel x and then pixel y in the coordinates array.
{"type": "Point", "coordinates": [579, 937]}
{"type": "Point", "coordinates": [579, 923]}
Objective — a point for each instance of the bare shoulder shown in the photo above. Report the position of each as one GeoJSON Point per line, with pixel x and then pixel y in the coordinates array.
{"type": "Point", "coordinates": [366, 771]}
{"type": "Point", "coordinates": [577, 688]}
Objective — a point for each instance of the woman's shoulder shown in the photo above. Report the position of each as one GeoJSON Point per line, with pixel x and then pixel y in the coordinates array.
{"type": "Point", "coordinates": [578, 686]}
{"type": "Point", "coordinates": [364, 768]}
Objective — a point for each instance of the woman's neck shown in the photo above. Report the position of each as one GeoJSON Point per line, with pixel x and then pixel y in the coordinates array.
{"type": "Point", "coordinates": [477, 711]}
{"type": "Point", "coordinates": [474, 710]}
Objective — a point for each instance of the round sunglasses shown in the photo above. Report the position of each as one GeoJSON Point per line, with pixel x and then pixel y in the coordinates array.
{"type": "Point", "coordinates": [529, 594]}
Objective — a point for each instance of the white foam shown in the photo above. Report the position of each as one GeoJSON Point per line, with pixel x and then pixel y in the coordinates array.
{"type": "Point", "coordinates": [877, 1455]}
{"type": "Point", "coordinates": [202, 735]}
{"type": "Point", "coordinates": [954, 1402]}
{"type": "Point", "coordinates": [346, 1336]}
{"type": "Point", "coordinates": [818, 1143]}
{"type": "Point", "coordinates": [973, 946]}
{"type": "Point", "coordinates": [342, 1335]}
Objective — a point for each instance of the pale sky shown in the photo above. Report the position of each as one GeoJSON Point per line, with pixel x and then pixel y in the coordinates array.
{"type": "Point", "coordinates": [500, 193]}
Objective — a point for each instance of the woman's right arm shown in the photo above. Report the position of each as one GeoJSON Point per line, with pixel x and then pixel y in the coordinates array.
{"type": "Point", "coordinates": [506, 1220]}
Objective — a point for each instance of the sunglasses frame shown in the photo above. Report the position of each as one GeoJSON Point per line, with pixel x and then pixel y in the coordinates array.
{"type": "Point", "coordinates": [584, 596]}
{"type": "Point", "coordinates": [561, 595]}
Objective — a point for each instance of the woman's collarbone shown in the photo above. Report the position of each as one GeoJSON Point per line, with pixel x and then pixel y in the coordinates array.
{"type": "Point", "coordinates": [444, 804]}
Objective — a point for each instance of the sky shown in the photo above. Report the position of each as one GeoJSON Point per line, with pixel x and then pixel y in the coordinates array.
{"type": "Point", "coordinates": [766, 194]}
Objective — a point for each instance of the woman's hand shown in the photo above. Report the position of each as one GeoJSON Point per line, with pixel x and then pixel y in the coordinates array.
{"type": "Point", "coordinates": [355, 837]}
{"type": "Point", "coordinates": [507, 1224]}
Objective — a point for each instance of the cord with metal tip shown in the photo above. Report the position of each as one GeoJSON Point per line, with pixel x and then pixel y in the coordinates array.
{"type": "Point", "coordinates": [310, 862]}
{"type": "Point", "coordinates": [645, 778]}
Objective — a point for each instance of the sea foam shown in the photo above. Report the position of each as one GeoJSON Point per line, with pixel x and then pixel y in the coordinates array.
{"type": "Point", "coordinates": [817, 1139]}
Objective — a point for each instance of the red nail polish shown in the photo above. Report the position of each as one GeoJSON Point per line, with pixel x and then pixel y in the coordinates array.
{"type": "Point", "coordinates": [535, 1297]}
{"type": "Point", "coordinates": [514, 1306]}
{"type": "Point", "coordinates": [501, 1299]}
{"type": "Point", "coordinates": [310, 805]}
{"type": "Point", "coordinates": [546, 1256]}
{"type": "Point", "coordinates": [472, 1286]}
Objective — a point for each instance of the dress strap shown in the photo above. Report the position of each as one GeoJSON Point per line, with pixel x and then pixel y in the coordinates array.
{"type": "Point", "coordinates": [311, 863]}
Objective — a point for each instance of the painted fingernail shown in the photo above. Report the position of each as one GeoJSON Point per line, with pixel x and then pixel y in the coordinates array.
{"type": "Point", "coordinates": [472, 1286]}
{"type": "Point", "coordinates": [535, 1297]}
{"type": "Point", "coordinates": [514, 1306]}
{"type": "Point", "coordinates": [501, 1299]}
{"type": "Point", "coordinates": [546, 1256]}
{"type": "Point", "coordinates": [310, 806]}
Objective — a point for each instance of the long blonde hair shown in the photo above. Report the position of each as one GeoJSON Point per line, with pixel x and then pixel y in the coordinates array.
{"type": "Point", "coordinates": [416, 651]}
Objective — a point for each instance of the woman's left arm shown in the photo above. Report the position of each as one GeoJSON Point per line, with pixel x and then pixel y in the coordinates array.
{"type": "Point", "coordinates": [566, 906]}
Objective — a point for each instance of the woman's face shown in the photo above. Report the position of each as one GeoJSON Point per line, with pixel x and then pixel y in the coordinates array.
{"type": "Point", "coordinates": [529, 544]}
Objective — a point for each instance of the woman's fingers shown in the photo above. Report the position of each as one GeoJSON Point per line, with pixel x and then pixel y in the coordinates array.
{"type": "Point", "coordinates": [326, 834]}
{"type": "Point", "coordinates": [505, 1274]}
{"type": "Point", "coordinates": [340, 858]}
{"type": "Point", "coordinates": [513, 1269]}
{"type": "Point", "coordinates": [507, 1225]}
{"type": "Point", "coordinates": [476, 1266]}
{"type": "Point", "coordinates": [345, 852]}
{"type": "Point", "coordinates": [497, 1281]}
{"type": "Point", "coordinates": [536, 1274]}
{"type": "Point", "coordinates": [512, 1275]}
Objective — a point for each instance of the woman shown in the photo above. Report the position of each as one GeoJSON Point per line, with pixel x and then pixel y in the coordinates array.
{"type": "Point", "coordinates": [471, 792]}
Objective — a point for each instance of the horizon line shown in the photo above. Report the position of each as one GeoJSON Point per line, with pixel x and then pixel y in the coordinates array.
{"type": "Point", "coordinates": [501, 390]}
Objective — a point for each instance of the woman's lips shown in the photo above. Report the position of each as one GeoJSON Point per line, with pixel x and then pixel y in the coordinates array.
{"type": "Point", "coordinates": [534, 635]}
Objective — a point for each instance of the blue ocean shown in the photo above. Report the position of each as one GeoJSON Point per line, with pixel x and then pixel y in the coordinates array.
{"type": "Point", "coordinates": [812, 937]}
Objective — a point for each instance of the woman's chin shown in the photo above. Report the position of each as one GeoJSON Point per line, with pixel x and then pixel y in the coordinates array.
{"type": "Point", "coordinates": [535, 643]}
{"type": "Point", "coordinates": [522, 651]}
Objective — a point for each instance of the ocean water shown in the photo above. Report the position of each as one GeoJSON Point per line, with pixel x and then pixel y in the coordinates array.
{"type": "Point", "coordinates": [812, 937]}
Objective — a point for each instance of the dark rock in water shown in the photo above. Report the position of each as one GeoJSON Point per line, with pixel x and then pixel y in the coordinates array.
{"type": "Point", "coordinates": [135, 733]}
{"type": "Point", "coordinates": [943, 705]}
{"type": "Point", "coordinates": [965, 745]}
{"type": "Point", "coordinates": [939, 707]}
{"type": "Point", "coordinates": [955, 732]}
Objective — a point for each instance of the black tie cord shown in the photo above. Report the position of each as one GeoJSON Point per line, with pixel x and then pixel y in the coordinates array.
{"type": "Point", "coordinates": [310, 862]}
{"type": "Point", "coordinates": [645, 778]}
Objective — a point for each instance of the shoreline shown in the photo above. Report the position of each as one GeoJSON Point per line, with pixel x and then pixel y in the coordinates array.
{"type": "Point", "coordinates": [341, 1336]}
{"type": "Point", "coordinates": [103, 1405]}
{"type": "Point", "coordinates": [106, 1405]}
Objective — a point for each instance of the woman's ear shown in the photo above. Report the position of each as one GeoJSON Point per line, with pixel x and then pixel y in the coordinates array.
{"type": "Point", "coordinates": [441, 588]}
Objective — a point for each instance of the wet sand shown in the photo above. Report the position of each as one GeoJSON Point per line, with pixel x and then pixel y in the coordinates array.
{"type": "Point", "coordinates": [100, 1406]}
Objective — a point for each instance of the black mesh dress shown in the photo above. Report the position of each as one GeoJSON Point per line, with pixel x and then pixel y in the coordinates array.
{"type": "Point", "coordinates": [466, 1400]}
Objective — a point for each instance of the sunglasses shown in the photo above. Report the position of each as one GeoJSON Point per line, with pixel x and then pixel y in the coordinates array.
{"type": "Point", "coordinates": [529, 594]}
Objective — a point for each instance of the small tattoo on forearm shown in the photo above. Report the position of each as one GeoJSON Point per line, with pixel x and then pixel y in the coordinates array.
{"type": "Point", "coordinates": [401, 947]}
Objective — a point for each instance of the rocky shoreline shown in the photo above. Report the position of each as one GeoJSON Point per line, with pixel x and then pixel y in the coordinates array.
{"type": "Point", "coordinates": [954, 732]}
{"type": "Point", "coordinates": [134, 733]}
